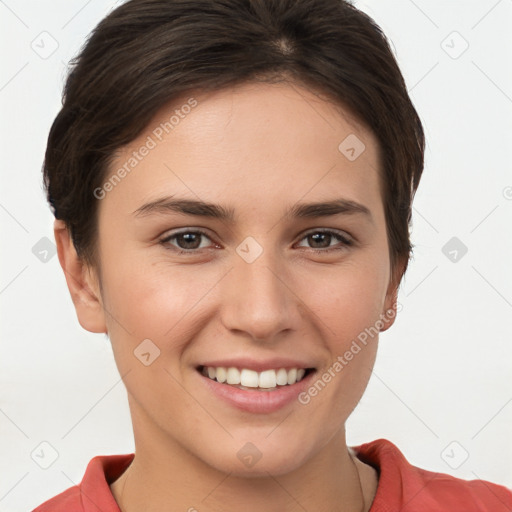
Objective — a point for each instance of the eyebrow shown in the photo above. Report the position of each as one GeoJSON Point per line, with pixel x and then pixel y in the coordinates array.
{"type": "Point", "coordinates": [198, 208]}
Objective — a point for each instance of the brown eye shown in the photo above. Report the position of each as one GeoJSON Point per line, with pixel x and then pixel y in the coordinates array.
{"type": "Point", "coordinates": [321, 240]}
{"type": "Point", "coordinates": [185, 241]}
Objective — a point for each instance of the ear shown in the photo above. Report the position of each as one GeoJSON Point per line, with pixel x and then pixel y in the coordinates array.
{"type": "Point", "coordinates": [82, 281]}
{"type": "Point", "coordinates": [390, 311]}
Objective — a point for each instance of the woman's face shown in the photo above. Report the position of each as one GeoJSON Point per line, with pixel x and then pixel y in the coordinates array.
{"type": "Point", "coordinates": [264, 283]}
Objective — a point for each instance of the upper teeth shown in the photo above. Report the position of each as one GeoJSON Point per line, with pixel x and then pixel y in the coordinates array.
{"type": "Point", "coordinates": [251, 379]}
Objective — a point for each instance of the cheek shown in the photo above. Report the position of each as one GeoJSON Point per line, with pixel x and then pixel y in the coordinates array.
{"type": "Point", "coordinates": [148, 300]}
{"type": "Point", "coordinates": [347, 308]}
{"type": "Point", "coordinates": [347, 300]}
{"type": "Point", "coordinates": [161, 303]}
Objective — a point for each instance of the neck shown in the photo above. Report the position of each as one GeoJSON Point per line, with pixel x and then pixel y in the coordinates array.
{"type": "Point", "coordinates": [160, 478]}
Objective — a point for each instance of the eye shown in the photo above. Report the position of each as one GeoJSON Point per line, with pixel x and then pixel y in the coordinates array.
{"type": "Point", "coordinates": [188, 241]}
{"type": "Point", "coordinates": [191, 241]}
{"type": "Point", "coordinates": [321, 240]}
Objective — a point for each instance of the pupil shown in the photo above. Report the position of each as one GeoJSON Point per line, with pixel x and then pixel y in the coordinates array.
{"type": "Point", "coordinates": [189, 239]}
{"type": "Point", "coordinates": [316, 236]}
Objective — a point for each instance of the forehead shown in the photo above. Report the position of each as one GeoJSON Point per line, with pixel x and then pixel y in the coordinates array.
{"type": "Point", "coordinates": [258, 144]}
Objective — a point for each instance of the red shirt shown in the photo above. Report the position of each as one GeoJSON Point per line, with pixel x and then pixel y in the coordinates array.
{"type": "Point", "coordinates": [402, 487]}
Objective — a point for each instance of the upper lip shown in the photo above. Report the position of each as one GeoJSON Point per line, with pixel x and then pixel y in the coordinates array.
{"type": "Point", "coordinates": [258, 365]}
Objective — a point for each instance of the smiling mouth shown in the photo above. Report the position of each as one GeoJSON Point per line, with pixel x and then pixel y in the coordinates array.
{"type": "Point", "coordinates": [243, 378]}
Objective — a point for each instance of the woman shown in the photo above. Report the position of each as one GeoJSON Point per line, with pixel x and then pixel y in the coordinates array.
{"type": "Point", "coordinates": [232, 184]}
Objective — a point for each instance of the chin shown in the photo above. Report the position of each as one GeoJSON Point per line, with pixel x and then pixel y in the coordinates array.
{"type": "Point", "coordinates": [253, 459]}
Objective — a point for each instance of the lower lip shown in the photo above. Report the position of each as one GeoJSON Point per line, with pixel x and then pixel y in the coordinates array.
{"type": "Point", "coordinates": [262, 402]}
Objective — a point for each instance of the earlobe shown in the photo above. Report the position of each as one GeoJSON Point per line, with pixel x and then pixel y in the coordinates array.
{"type": "Point", "coordinates": [390, 311]}
{"type": "Point", "coordinates": [81, 280]}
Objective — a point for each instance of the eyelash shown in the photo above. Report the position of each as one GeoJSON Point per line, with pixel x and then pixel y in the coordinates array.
{"type": "Point", "coordinates": [346, 242]}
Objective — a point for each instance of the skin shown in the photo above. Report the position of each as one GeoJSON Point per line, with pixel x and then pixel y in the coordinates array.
{"type": "Point", "coordinates": [257, 148]}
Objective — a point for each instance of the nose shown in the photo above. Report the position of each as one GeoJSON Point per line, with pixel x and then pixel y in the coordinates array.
{"type": "Point", "coordinates": [259, 299]}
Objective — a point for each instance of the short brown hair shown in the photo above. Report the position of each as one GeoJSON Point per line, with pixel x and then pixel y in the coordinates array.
{"type": "Point", "coordinates": [147, 52]}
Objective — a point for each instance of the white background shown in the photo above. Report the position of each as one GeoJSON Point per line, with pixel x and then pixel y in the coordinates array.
{"type": "Point", "coordinates": [443, 371]}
